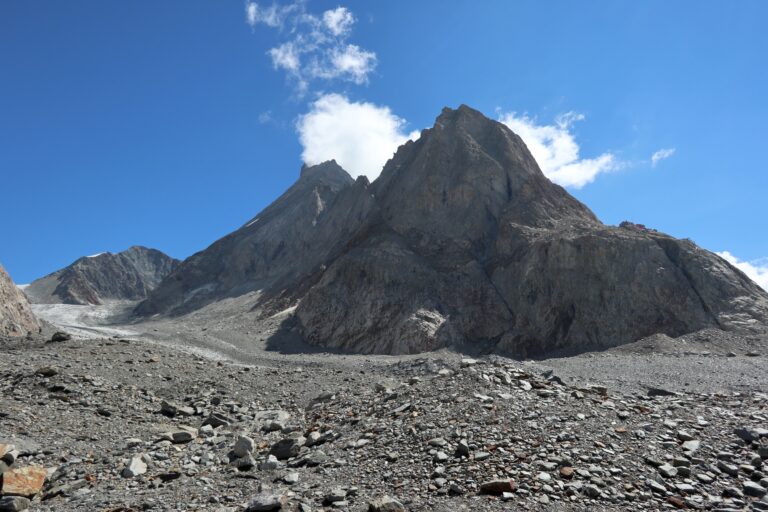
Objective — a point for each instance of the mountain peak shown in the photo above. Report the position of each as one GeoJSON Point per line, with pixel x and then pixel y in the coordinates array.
{"type": "Point", "coordinates": [465, 161]}
{"type": "Point", "coordinates": [329, 169]}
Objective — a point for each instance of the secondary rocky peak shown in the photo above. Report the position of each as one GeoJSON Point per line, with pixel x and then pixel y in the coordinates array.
{"type": "Point", "coordinates": [287, 240]}
{"type": "Point", "coordinates": [127, 275]}
{"type": "Point", "coordinates": [327, 172]}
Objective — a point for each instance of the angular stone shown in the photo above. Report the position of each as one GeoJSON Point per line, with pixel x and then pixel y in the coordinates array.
{"type": "Point", "coordinates": [59, 336]}
{"type": "Point", "coordinates": [244, 463]}
{"type": "Point", "coordinates": [462, 449]}
{"type": "Point", "coordinates": [480, 456]}
{"type": "Point", "coordinates": [592, 491]}
{"type": "Point", "coordinates": [656, 487]}
{"type": "Point", "coordinates": [385, 504]}
{"type": "Point", "coordinates": [691, 446]}
{"type": "Point", "coordinates": [26, 481]}
{"type": "Point", "coordinates": [667, 471]}
{"type": "Point", "coordinates": [218, 420]}
{"type": "Point", "coordinates": [134, 468]}
{"type": "Point", "coordinates": [64, 489]}
{"type": "Point", "coordinates": [181, 436]}
{"type": "Point", "coordinates": [271, 420]}
{"type": "Point", "coordinates": [243, 446]}
{"type": "Point", "coordinates": [753, 489]}
{"type": "Point", "coordinates": [270, 464]}
{"type": "Point", "coordinates": [173, 409]}
{"type": "Point", "coordinates": [747, 434]}
{"type": "Point", "coordinates": [47, 371]}
{"type": "Point", "coordinates": [288, 447]}
{"type": "Point", "coordinates": [498, 486]}
{"type": "Point", "coordinates": [14, 504]}
{"type": "Point", "coordinates": [266, 502]}
{"type": "Point", "coordinates": [336, 495]}
{"type": "Point", "coordinates": [728, 469]}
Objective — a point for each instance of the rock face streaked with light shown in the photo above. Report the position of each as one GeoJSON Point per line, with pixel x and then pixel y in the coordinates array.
{"type": "Point", "coordinates": [16, 316]}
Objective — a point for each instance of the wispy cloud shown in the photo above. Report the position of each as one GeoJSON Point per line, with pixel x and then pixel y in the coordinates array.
{"type": "Point", "coordinates": [265, 117]}
{"type": "Point", "coordinates": [360, 136]}
{"type": "Point", "coordinates": [756, 270]}
{"type": "Point", "coordinates": [661, 154]}
{"type": "Point", "coordinates": [313, 47]}
{"type": "Point", "coordinates": [555, 149]}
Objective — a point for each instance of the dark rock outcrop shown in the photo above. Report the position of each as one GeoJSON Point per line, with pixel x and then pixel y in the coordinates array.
{"type": "Point", "coordinates": [471, 243]}
{"type": "Point", "coordinates": [127, 275]}
{"type": "Point", "coordinates": [16, 316]}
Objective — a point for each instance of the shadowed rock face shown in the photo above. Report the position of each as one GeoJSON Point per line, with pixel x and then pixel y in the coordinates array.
{"type": "Point", "coordinates": [16, 317]}
{"type": "Point", "coordinates": [127, 275]}
{"type": "Point", "coordinates": [283, 243]}
{"type": "Point", "coordinates": [471, 242]}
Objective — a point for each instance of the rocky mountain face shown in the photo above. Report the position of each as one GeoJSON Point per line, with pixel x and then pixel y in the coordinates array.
{"type": "Point", "coordinates": [127, 275]}
{"type": "Point", "coordinates": [16, 316]}
{"type": "Point", "coordinates": [462, 239]}
{"type": "Point", "coordinates": [279, 246]}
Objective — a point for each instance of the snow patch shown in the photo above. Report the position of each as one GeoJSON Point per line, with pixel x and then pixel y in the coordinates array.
{"type": "Point", "coordinates": [21, 286]}
{"type": "Point", "coordinates": [95, 255]}
{"type": "Point", "coordinates": [254, 221]}
{"type": "Point", "coordinates": [285, 312]}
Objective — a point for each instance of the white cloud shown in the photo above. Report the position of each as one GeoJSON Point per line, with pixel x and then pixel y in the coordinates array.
{"type": "Point", "coordinates": [285, 57]}
{"type": "Point", "coordinates": [360, 136]}
{"type": "Point", "coordinates": [756, 270]}
{"type": "Point", "coordinates": [661, 154]}
{"type": "Point", "coordinates": [556, 151]}
{"type": "Point", "coordinates": [338, 21]}
{"type": "Point", "coordinates": [313, 47]}
{"type": "Point", "coordinates": [353, 62]}
{"type": "Point", "coordinates": [272, 16]}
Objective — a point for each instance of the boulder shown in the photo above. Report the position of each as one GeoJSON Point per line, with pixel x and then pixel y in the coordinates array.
{"type": "Point", "coordinates": [27, 481]}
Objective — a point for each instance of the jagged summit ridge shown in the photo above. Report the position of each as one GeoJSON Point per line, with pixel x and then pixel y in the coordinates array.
{"type": "Point", "coordinates": [282, 243]}
{"type": "Point", "coordinates": [462, 240]}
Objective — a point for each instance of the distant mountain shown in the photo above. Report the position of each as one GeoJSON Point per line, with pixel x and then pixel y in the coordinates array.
{"type": "Point", "coordinates": [16, 316]}
{"type": "Point", "coordinates": [127, 275]}
{"type": "Point", "coordinates": [461, 239]}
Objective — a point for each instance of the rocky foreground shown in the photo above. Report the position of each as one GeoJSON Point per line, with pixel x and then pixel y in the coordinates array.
{"type": "Point", "coordinates": [119, 425]}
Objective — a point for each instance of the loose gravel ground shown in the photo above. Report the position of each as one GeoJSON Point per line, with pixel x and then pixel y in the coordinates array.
{"type": "Point", "coordinates": [128, 424]}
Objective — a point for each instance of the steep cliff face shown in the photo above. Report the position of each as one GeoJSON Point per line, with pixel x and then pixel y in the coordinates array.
{"type": "Point", "coordinates": [16, 316]}
{"type": "Point", "coordinates": [287, 240]}
{"type": "Point", "coordinates": [127, 275]}
{"type": "Point", "coordinates": [470, 242]}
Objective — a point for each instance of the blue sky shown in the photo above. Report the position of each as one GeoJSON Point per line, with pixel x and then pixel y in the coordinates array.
{"type": "Point", "coordinates": [169, 124]}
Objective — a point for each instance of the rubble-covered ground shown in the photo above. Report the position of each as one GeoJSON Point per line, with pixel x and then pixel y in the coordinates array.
{"type": "Point", "coordinates": [123, 425]}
